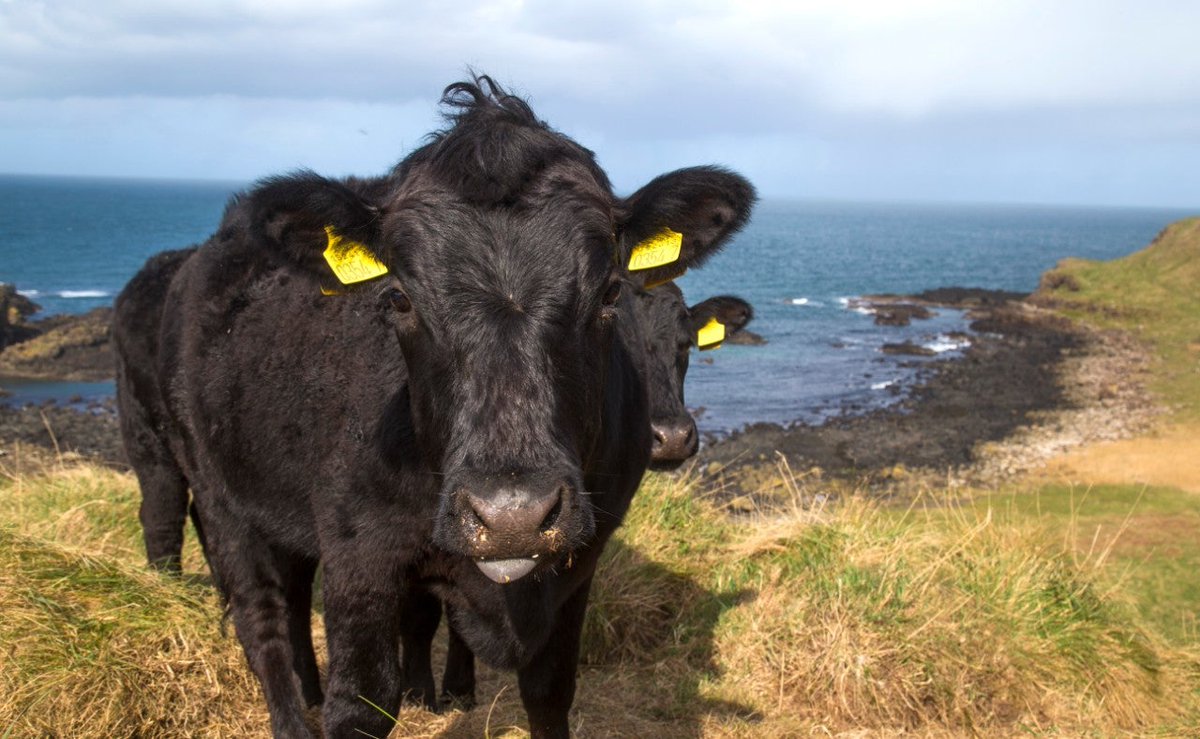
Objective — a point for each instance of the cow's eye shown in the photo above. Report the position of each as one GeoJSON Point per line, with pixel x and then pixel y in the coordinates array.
{"type": "Point", "coordinates": [398, 300]}
{"type": "Point", "coordinates": [612, 293]}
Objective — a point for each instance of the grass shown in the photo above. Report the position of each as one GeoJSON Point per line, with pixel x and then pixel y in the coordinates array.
{"type": "Point", "coordinates": [943, 619]}
{"type": "Point", "coordinates": [1151, 536]}
{"type": "Point", "coordinates": [1151, 294]}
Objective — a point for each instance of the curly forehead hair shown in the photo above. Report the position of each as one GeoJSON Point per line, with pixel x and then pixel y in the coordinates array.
{"type": "Point", "coordinates": [495, 147]}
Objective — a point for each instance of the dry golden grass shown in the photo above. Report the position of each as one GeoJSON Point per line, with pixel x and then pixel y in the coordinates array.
{"type": "Point", "coordinates": [96, 648]}
{"type": "Point", "coordinates": [1168, 457]}
{"type": "Point", "coordinates": [816, 619]}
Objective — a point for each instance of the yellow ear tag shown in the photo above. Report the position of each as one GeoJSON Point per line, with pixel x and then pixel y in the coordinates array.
{"type": "Point", "coordinates": [351, 261]}
{"type": "Point", "coordinates": [711, 336]}
{"type": "Point", "coordinates": [662, 248]}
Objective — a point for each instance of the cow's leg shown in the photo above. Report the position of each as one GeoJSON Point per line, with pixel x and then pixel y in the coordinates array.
{"type": "Point", "coordinates": [163, 511]}
{"type": "Point", "coordinates": [548, 682]}
{"type": "Point", "coordinates": [458, 682]}
{"type": "Point", "coordinates": [419, 618]}
{"type": "Point", "coordinates": [163, 485]}
{"type": "Point", "coordinates": [304, 658]}
{"type": "Point", "coordinates": [252, 578]}
{"type": "Point", "coordinates": [362, 630]}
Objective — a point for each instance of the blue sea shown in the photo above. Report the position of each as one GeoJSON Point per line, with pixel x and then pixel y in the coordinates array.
{"type": "Point", "coordinates": [70, 244]}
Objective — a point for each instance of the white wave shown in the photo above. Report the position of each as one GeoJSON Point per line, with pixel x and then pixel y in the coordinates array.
{"type": "Point", "coordinates": [943, 343]}
{"type": "Point", "coordinates": [882, 385]}
{"type": "Point", "coordinates": [856, 305]}
{"type": "Point", "coordinates": [82, 294]}
{"type": "Point", "coordinates": [29, 293]}
{"type": "Point", "coordinates": [806, 301]}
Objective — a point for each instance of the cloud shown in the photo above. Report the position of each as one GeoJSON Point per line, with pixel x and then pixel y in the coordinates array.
{"type": "Point", "coordinates": [860, 55]}
{"type": "Point", "coordinates": [252, 84]}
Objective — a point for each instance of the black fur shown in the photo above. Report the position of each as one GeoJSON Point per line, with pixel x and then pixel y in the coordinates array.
{"type": "Point", "coordinates": [485, 399]}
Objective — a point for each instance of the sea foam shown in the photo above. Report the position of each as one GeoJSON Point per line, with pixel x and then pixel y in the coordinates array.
{"type": "Point", "coordinates": [943, 343]}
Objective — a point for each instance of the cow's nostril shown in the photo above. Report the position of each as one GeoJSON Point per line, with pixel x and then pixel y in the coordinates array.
{"type": "Point", "coordinates": [552, 517]}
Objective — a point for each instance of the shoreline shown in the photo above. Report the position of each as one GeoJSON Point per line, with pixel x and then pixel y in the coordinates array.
{"type": "Point", "coordinates": [1030, 385]}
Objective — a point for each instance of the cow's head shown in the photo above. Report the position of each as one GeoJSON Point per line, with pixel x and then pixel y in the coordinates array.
{"type": "Point", "coordinates": [670, 330]}
{"type": "Point", "coordinates": [498, 254]}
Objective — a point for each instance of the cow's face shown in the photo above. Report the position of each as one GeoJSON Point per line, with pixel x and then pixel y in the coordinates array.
{"type": "Point", "coordinates": [670, 329]}
{"type": "Point", "coordinates": [506, 285]}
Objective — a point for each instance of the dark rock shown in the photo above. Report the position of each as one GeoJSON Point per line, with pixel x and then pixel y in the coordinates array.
{"type": "Point", "coordinates": [907, 348]}
{"type": "Point", "coordinates": [745, 338]}
{"type": "Point", "coordinates": [15, 309]}
{"type": "Point", "coordinates": [969, 297]}
{"type": "Point", "coordinates": [901, 315]}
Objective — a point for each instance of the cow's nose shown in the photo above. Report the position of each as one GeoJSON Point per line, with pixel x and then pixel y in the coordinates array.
{"type": "Point", "coordinates": [674, 439]}
{"type": "Point", "coordinates": [511, 522]}
{"type": "Point", "coordinates": [516, 512]}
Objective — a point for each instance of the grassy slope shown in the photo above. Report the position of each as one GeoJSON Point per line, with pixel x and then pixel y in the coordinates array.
{"type": "Point", "coordinates": [1153, 294]}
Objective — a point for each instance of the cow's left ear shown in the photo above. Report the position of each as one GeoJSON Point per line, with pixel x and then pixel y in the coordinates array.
{"type": "Point", "coordinates": [680, 219]}
{"type": "Point", "coordinates": [318, 224]}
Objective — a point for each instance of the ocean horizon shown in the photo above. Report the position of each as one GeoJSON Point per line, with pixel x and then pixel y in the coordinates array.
{"type": "Point", "coordinates": [71, 243]}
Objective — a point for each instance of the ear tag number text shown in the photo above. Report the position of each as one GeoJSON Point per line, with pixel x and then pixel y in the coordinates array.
{"type": "Point", "coordinates": [662, 248]}
{"type": "Point", "coordinates": [351, 261]}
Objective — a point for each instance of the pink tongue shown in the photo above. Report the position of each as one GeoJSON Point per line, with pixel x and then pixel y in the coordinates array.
{"type": "Point", "coordinates": [506, 570]}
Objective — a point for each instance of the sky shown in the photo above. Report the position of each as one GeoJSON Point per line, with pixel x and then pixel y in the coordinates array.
{"type": "Point", "coordinates": [1048, 101]}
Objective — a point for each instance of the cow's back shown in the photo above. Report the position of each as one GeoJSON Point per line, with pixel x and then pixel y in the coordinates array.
{"type": "Point", "coordinates": [289, 402]}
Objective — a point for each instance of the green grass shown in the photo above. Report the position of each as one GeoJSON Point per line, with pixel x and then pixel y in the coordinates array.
{"type": "Point", "coordinates": [1153, 294]}
{"type": "Point", "coordinates": [1150, 537]}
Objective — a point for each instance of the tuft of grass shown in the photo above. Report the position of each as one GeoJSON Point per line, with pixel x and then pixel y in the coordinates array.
{"type": "Point", "coordinates": [1151, 294]}
{"type": "Point", "coordinates": [94, 648]}
{"type": "Point", "coordinates": [1149, 536]}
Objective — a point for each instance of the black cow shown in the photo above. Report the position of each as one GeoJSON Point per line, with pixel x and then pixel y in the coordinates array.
{"type": "Point", "coordinates": [670, 328]}
{"type": "Point", "coordinates": [469, 421]}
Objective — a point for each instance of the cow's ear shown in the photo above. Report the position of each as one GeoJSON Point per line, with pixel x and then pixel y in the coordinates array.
{"type": "Point", "coordinates": [712, 320]}
{"type": "Point", "coordinates": [319, 224]}
{"type": "Point", "coordinates": [680, 219]}
{"type": "Point", "coordinates": [733, 312]}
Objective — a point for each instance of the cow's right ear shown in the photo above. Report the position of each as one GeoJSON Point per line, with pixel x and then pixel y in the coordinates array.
{"type": "Point", "coordinates": [733, 313]}
{"type": "Point", "coordinates": [680, 219]}
{"type": "Point", "coordinates": [316, 223]}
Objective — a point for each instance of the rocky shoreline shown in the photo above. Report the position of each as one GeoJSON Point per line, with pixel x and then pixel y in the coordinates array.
{"type": "Point", "coordinates": [64, 348]}
{"type": "Point", "coordinates": [1030, 385]}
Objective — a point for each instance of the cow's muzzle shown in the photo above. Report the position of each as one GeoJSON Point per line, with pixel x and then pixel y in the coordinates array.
{"type": "Point", "coordinates": [675, 440]}
{"type": "Point", "coordinates": [511, 523]}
